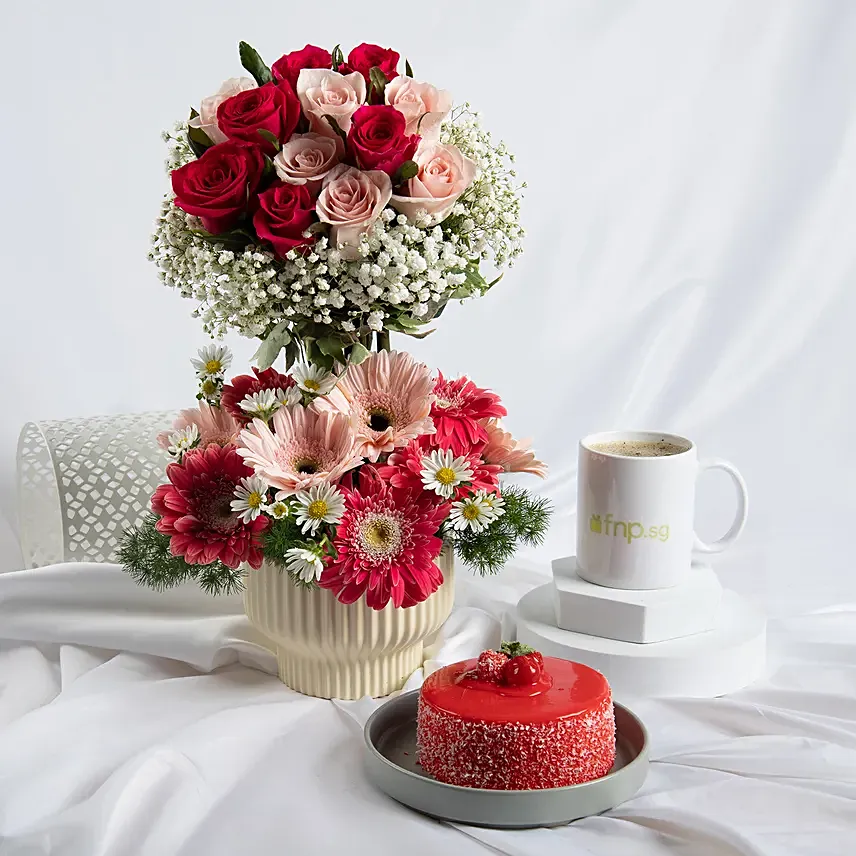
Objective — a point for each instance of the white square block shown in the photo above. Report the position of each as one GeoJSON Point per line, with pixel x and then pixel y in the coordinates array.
{"type": "Point", "coordinates": [635, 616]}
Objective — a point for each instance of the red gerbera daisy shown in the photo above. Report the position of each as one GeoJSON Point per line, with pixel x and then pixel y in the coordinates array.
{"type": "Point", "coordinates": [195, 509]}
{"type": "Point", "coordinates": [456, 412]}
{"type": "Point", "coordinates": [243, 385]}
{"type": "Point", "coordinates": [386, 544]}
{"type": "Point", "coordinates": [404, 468]}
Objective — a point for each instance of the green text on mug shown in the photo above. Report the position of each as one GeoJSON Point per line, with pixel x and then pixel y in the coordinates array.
{"type": "Point", "coordinates": [626, 529]}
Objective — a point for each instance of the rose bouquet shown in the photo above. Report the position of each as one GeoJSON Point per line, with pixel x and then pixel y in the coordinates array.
{"type": "Point", "coordinates": [352, 481]}
{"type": "Point", "coordinates": [325, 201]}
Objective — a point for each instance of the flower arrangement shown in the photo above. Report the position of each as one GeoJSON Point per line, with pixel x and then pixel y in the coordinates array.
{"type": "Point", "coordinates": [353, 482]}
{"type": "Point", "coordinates": [322, 202]}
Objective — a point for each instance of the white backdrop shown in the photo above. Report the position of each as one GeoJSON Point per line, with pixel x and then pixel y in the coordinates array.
{"type": "Point", "coordinates": [690, 261]}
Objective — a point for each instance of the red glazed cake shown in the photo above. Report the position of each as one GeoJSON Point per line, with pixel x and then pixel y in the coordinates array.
{"type": "Point", "coordinates": [514, 720]}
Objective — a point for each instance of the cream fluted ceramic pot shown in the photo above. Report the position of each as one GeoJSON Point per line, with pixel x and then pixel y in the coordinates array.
{"type": "Point", "coordinates": [329, 649]}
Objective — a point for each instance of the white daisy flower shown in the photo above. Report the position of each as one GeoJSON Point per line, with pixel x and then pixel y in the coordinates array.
{"type": "Point", "coordinates": [313, 379]}
{"type": "Point", "coordinates": [306, 565]}
{"type": "Point", "coordinates": [494, 501]}
{"type": "Point", "coordinates": [213, 360]}
{"type": "Point", "coordinates": [287, 397]}
{"type": "Point", "coordinates": [277, 509]}
{"type": "Point", "coordinates": [474, 512]}
{"type": "Point", "coordinates": [261, 405]}
{"type": "Point", "coordinates": [250, 498]}
{"type": "Point", "coordinates": [322, 503]}
{"type": "Point", "coordinates": [182, 441]}
{"type": "Point", "coordinates": [442, 472]}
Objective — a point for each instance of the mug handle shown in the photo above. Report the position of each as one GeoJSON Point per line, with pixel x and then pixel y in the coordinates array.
{"type": "Point", "coordinates": [742, 507]}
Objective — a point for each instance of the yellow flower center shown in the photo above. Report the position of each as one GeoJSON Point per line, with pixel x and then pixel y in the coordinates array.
{"type": "Point", "coordinates": [379, 534]}
{"type": "Point", "coordinates": [311, 385]}
{"type": "Point", "coordinates": [317, 509]}
{"type": "Point", "coordinates": [255, 499]}
{"type": "Point", "coordinates": [209, 387]}
{"type": "Point", "coordinates": [471, 512]}
{"type": "Point", "coordinates": [213, 367]}
{"type": "Point", "coordinates": [446, 476]}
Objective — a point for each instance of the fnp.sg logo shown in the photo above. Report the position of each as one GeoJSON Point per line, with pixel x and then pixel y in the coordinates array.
{"type": "Point", "coordinates": [626, 529]}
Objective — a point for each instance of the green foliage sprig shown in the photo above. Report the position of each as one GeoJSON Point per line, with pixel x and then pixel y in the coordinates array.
{"type": "Point", "coordinates": [144, 554]}
{"type": "Point", "coordinates": [526, 520]}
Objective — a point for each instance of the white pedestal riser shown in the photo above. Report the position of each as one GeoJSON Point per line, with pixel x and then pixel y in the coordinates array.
{"type": "Point", "coordinates": [719, 661]}
{"type": "Point", "coordinates": [631, 615]}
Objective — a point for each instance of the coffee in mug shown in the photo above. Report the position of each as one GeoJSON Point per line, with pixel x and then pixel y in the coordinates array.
{"type": "Point", "coordinates": [635, 506]}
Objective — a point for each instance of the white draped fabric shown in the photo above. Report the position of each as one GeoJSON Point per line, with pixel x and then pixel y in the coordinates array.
{"type": "Point", "coordinates": [138, 725]}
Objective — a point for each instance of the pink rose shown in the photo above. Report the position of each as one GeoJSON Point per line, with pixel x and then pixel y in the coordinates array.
{"type": "Point", "coordinates": [307, 159]}
{"type": "Point", "coordinates": [328, 93]}
{"type": "Point", "coordinates": [444, 174]}
{"type": "Point", "coordinates": [350, 201]}
{"type": "Point", "coordinates": [207, 118]}
{"type": "Point", "coordinates": [414, 100]}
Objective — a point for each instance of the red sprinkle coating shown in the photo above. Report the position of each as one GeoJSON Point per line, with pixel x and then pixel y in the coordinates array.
{"type": "Point", "coordinates": [502, 753]}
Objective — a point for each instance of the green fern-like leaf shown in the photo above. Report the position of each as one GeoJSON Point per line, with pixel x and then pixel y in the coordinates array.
{"type": "Point", "coordinates": [144, 554]}
{"type": "Point", "coordinates": [525, 521]}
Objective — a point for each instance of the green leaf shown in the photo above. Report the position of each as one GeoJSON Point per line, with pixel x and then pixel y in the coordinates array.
{"type": "Point", "coordinates": [332, 347]}
{"type": "Point", "coordinates": [358, 353]}
{"type": "Point", "coordinates": [407, 68]}
{"type": "Point", "coordinates": [199, 141]}
{"type": "Point", "coordinates": [421, 335]}
{"type": "Point", "coordinates": [292, 354]}
{"type": "Point", "coordinates": [254, 64]}
{"type": "Point", "coordinates": [235, 239]}
{"type": "Point", "coordinates": [405, 172]}
{"type": "Point", "coordinates": [335, 126]}
{"type": "Point", "coordinates": [516, 649]}
{"type": "Point", "coordinates": [273, 343]}
{"type": "Point", "coordinates": [193, 113]}
{"type": "Point", "coordinates": [378, 81]}
{"type": "Point", "coordinates": [317, 228]}
{"type": "Point", "coordinates": [315, 355]}
{"type": "Point", "coordinates": [269, 169]}
{"type": "Point", "coordinates": [338, 57]}
{"type": "Point", "coordinates": [271, 138]}
{"type": "Point", "coordinates": [409, 322]}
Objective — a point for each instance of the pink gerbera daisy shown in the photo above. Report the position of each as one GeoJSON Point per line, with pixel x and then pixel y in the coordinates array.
{"type": "Point", "coordinates": [195, 509]}
{"type": "Point", "coordinates": [404, 467]}
{"type": "Point", "coordinates": [512, 456]}
{"type": "Point", "coordinates": [215, 425]}
{"type": "Point", "coordinates": [386, 544]}
{"type": "Point", "coordinates": [458, 408]}
{"type": "Point", "coordinates": [389, 399]}
{"type": "Point", "coordinates": [307, 446]}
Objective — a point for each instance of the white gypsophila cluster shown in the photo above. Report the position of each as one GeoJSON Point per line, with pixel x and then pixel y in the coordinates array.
{"type": "Point", "coordinates": [404, 269]}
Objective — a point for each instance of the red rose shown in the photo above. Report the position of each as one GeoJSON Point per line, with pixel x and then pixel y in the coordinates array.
{"type": "Point", "coordinates": [288, 67]}
{"type": "Point", "coordinates": [272, 107]}
{"type": "Point", "coordinates": [378, 139]}
{"type": "Point", "coordinates": [243, 385]}
{"type": "Point", "coordinates": [365, 57]}
{"type": "Point", "coordinates": [285, 212]}
{"type": "Point", "coordinates": [215, 188]}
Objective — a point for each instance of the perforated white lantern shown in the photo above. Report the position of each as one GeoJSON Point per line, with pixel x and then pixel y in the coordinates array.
{"type": "Point", "coordinates": [82, 481]}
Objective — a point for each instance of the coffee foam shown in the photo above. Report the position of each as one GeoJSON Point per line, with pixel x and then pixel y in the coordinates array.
{"type": "Point", "coordinates": [638, 448]}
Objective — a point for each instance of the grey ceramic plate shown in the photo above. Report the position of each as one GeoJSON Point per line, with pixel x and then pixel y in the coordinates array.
{"type": "Point", "coordinates": [391, 765]}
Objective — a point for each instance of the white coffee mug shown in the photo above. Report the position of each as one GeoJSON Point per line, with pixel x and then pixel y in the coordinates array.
{"type": "Point", "coordinates": [635, 514]}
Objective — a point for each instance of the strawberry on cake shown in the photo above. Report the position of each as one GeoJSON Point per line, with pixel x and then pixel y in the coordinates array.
{"type": "Point", "coordinates": [514, 720]}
